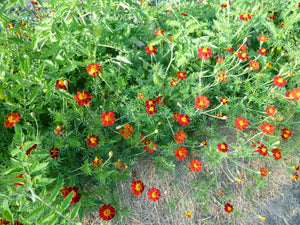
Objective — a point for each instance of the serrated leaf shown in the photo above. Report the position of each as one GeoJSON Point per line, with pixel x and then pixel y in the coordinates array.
{"type": "Point", "coordinates": [40, 166]}
{"type": "Point", "coordinates": [75, 211]}
{"type": "Point", "coordinates": [10, 169]}
{"type": "Point", "coordinates": [66, 202]}
{"type": "Point", "coordinates": [47, 218]}
{"type": "Point", "coordinates": [41, 181]}
{"type": "Point", "coordinates": [36, 213]}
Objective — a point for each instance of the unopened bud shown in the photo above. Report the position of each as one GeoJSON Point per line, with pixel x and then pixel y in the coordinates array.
{"type": "Point", "coordinates": [277, 143]}
{"type": "Point", "coordinates": [110, 154]}
{"type": "Point", "coordinates": [245, 39]}
{"type": "Point", "coordinates": [32, 114]}
{"type": "Point", "coordinates": [178, 103]}
{"type": "Point", "coordinates": [156, 131]}
{"type": "Point", "coordinates": [281, 70]}
{"type": "Point", "coordinates": [118, 127]}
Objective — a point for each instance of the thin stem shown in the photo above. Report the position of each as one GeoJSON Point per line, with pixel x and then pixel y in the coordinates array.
{"type": "Point", "coordinates": [171, 60]}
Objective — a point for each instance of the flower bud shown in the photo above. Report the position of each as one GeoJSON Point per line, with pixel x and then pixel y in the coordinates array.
{"type": "Point", "coordinates": [110, 154]}
{"type": "Point", "coordinates": [32, 114]}
{"type": "Point", "coordinates": [156, 131]}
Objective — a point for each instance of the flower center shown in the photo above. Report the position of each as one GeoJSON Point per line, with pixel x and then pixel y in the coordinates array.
{"type": "Point", "coordinates": [61, 82]}
{"type": "Point", "coordinates": [241, 122]}
{"type": "Point", "coordinates": [180, 153]}
{"type": "Point", "coordinates": [151, 48]}
{"type": "Point", "coordinates": [271, 110]}
{"type": "Point", "coordinates": [107, 118]}
{"type": "Point", "coordinates": [244, 54]}
{"type": "Point", "coordinates": [264, 50]}
{"type": "Point", "coordinates": [151, 109]}
{"type": "Point", "coordinates": [201, 103]}
{"type": "Point", "coordinates": [138, 187]}
{"type": "Point", "coordinates": [94, 69]}
{"type": "Point", "coordinates": [246, 15]}
{"type": "Point", "coordinates": [74, 194]}
{"type": "Point", "coordinates": [229, 208]}
{"type": "Point", "coordinates": [107, 212]}
{"type": "Point", "coordinates": [153, 194]}
{"type": "Point", "coordinates": [183, 119]}
{"type": "Point", "coordinates": [277, 154]}
{"type": "Point", "coordinates": [280, 80]}
{"type": "Point", "coordinates": [93, 140]}
{"type": "Point", "coordinates": [263, 149]}
{"type": "Point", "coordinates": [11, 119]}
{"type": "Point", "coordinates": [82, 96]}
{"type": "Point", "coordinates": [195, 165]}
{"type": "Point", "coordinates": [204, 50]}
{"type": "Point", "coordinates": [268, 128]}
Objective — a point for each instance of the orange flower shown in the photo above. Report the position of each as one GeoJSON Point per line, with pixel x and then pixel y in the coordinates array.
{"type": "Point", "coordinates": [120, 165]}
{"type": "Point", "coordinates": [243, 56]}
{"type": "Point", "coordinates": [222, 77]}
{"type": "Point", "coordinates": [296, 94]}
{"type": "Point", "coordinates": [159, 32]}
{"type": "Point", "coordinates": [296, 167]}
{"type": "Point", "coordinates": [106, 212]}
{"type": "Point", "coordinates": [254, 65]}
{"type": "Point", "coordinates": [137, 187]}
{"type": "Point", "coordinates": [201, 102]}
{"type": "Point", "coordinates": [286, 133]}
{"type": "Point", "coordinates": [154, 194]}
{"type": "Point", "coordinates": [181, 75]}
{"type": "Point", "coordinates": [268, 65]}
{"type": "Point", "coordinates": [92, 140]}
{"type": "Point", "coordinates": [204, 52]}
{"type": "Point", "coordinates": [245, 16]}
{"type": "Point", "coordinates": [276, 154]}
{"type": "Point", "coordinates": [150, 147]}
{"type": "Point", "coordinates": [228, 49]}
{"type": "Point", "coordinates": [263, 172]}
{"type": "Point", "coordinates": [76, 196]}
{"type": "Point", "coordinates": [54, 152]}
{"type": "Point", "coordinates": [223, 147]}
{"type": "Point", "coordinates": [243, 48]}
{"type": "Point", "coordinates": [151, 49]}
{"type": "Point", "coordinates": [83, 98]}
{"type": "Point", "coordinates": [180, 153]}
{"type": "Point", "coordinates": [62, 84]}
{"type": "Point", "coordinates": [271, 110]}
{"type": "Point", "coordinates": [18, 184]}
{"type": "Point", "coordinates": [272, 17]}
{"type": "Point", "coordinates": [127, 132]}
{"type": "Point", "coordinates": [262, 150]}
{"type": "Point", "coordinates": [262, 51]}
{"type": "Point", "coordinates": [108, 118]}
{"type": "Point", "coordinates": [179, 136]}
{"type": "Point", "coordinates": [183, 120]}
{"type": "Point", "coordinates": [267, 128]}
{"type": "Point", "coordinates": [262, 38]}
{"type": "Point", "coordinates": [295, 176]}
{"type": "Point", "coordinates": [12, 119]}
{"type": "Point", "coordinates": [224, 100]}
{"type": "Point", "coordinates": [204, 142]}
{"type": "Point", "coordinates": [195, 165]}
{"type": "Point", "coordinates": [241, 123]}
{"type": "Point", "coordinates": [140, 96]}
{"type": "Point", "coordinates": [59, 130]}
{"type": "Point", "coordinates": [228, 208]}
{"type": "Point", "coordinates": [173, 82]}
{"type": "Point", "coordinates": [290, 95]}
{"type": "Point", "coordinates": [96, 162]}
{"type": "Point", "coordinates": [279, 81]}
{"type": "Point", "coordinates": [94, 69]}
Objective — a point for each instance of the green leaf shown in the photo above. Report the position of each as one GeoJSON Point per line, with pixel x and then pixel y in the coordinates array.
{"type": "Point", "coordinates": [66, 202]}
{"type": "Point", "coordinates": [36, 213]}
{"type": "Point", "coordinates": [3, 196]}
{"type": "Point", "coordinates": [22, 3]}
{"type": "Point", "coordinates": [58, 186]}
{"type": "Point", "coordinates": [75, 211]}
{"type": "Point", "coordinates": [10, 169]}
{"type": "Point", "coordinates": [40, 166]}
{"type": "Point", "coordinates": [41, 181]}
{"type": "Point", "coordinates": [6, 213]}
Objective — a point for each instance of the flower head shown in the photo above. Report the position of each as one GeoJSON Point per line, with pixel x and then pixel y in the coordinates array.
{"type": "Point", "coordinates": [188, 214]}
{"type": "Point", "coordinates": [159, 32]}
{"type": "Point", "coordinates": [272, 17]}
{"type": "Point", "coordinates": [54, 152]}
{"type": "Point", "coordinates": [276, 154]}
{"type": "Point", "coordinates": [106, 212]}
{"type": "Point", "coordinates": [92, 140]}
{"type": "Point", "coordinates": [175, 117]}
{"type": "Point", "coordinates": [83, 98]}
{"type": "Point", "coordinates": [62, 84]}
{"type": "Point", "coordinates": [127, 132]}
{"type": "Point", "coordinates": [183, 120]}
{"type": "Point", "coordinates": [286, 133]}
{"type": "Point", "coordinates": [96, 162]}
{"type": "Point", "coordinates": [195, 165]}
{"type": "Point", "coordinates": [224, 5]}
{"type": "Point", "coordinates": [108, 118]}
{"type": "Point", "coordinates": [94, 69]}
{"type": "Point", "coordinates": [12, 119]}
{"type": "Point", "coordinates": [204, 53]}
{"type": "Point", "coordinates": [245, 16]}
{"type": "Point", "coordinates": [158, 100]}
{"type": "Point", "coordinates": [267, 128]}
{"type": "Point", "coordinates": [279, 81]}
{"type": "Point", "coordinates": [262, 150]}
{"type": "Point", "coordinates": [179, 136]}
{"type": "Point", "coordinates": [224, 100]}
{"type": "Point", "coordinates": [151, 49]}
{"type": "Point", "coordinates": [222, 77]}
{"type": "Point", "coordinates": [228, 208]}
{"type": "Point", "coordinates": [151, 110]}
{"type": "Point", "coordinates": [241, 123]}
{"type": "Point", "coordinates": [243, 48]}
{"type": "Point", "coordinates": [137, 187]}
{"type": "Point", "coordinates": [181, 75]}
{"type": "Point", "coordinates": [180, 153]}
{"type": "Point", "coordinates": [76, 196]}
{"type": "Point", "coordinates": [59, 130]}
{"type": "Point", "coordinates": [295, 176]}
{"type": "Point", "coordinates": [243, 56]}
{"type": "Point", "coordinates": [219, 59]}
{"type": "Point", "coordinates": [154, 194]}
{"type": "Point", "coordinates": [150, 102]}
{"type": "Point", "coordinates": [201, 102]}
{"type": "Point", "coordinates": [254, 65]}
{"type": "Point", "coordinates": [290, 95]}
{"type": "Point", "coordinates": [223, 147]}
{"type": "Point", "coordinates": [150, 147]}
{"type": "Point", "coordinates": [120, 165]}
{"type": "Point", "coordinates": [271, 110]}
{"type": "Point", "coordinates": [263, 172]}
{"type": "Point", "coordinates": [173, 82]}
{"type": "Point", "coordinates": [296, 94]}
{"type": "Point", "coordinates": [262, 38]}
{"type": "Point", "coordinates": [262, 51]}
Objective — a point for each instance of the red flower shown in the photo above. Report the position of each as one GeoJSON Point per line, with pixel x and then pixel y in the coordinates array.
{"type": "Point", "coordinates": [28, 151]}
{"type": "Point", "coordinates": [241, 123]}
{"type": "Point", "coordinates": [176, 114]}
{"type": "Point", "coordinates": [4, 222]}
{"type": "Point", "coordinates": [96, 162]}
{"type": "Point", "coordinates": [262, 150]}
{"type": "Point", "coordinates": [279, 81]}
{"type": "Point", "coordinates": [254, 65]}
{"type": "Point", "coordinates": [201, 102]}
{"type": "Point", "coordinates": [262, 38]}
{"type": "Point", "coordinates": [151, 110]}
{"type": "Point", "coordinates": [263, 172]}
{"type": "Point", "coordinates": [223, 147]}
{"type": "Point", "coordinates": [154, 194]}
{"type": "Point", "coordinates": [290, 95]}
{"type": "Point", "coordinates": [286, 133]}
{"type": "Point", "coordinates": [183, 120]}
{"type": "Point", "coordinates": [195, 165]}
{"type": "Point", "coordinates": [243, 56]}
{"type": "Point", "coordinates": [183, 14]}
{"type": "Point", "coordinates": [92, 140]}
{"type": "Point", "coordinates": [159, 32]}
{"type": "Point", "coordinates": [127, 132]}
{"type": "Point", "coordinates": [19, 176]}
{"type": "Point", "coordinates": [228, 49]}
{"type": "Point", "coordinates": [271, 110]}
{"type": "Point", "coordinates": [108, 118]}
{"type": "Point", "coordinates": [150, 147]}
{"type": "Point", "coordinates": [54, 152]}
{"type": "Point", "coordinates": [173, 82]}
{"type": "Point", "coordinates": [219, 59]}
{"type": "Point", "coordinates": [245, 16]}
{"type": "Point", "coordinates": [262, 51]}
{"type": "Point", "coordinates": [62, 84]}
{"type": "Point", "coordinates": [295, 176]}
{"type": "Point", "coordinates": [181, 75]}
{"type": "Point", "coordinates": [224, 100]}
{"type": "Point", "coordinates": [180, 153]}
{"type": "Point", "coordinates": [76, 196]}
{"type": "Point", "coordinates": [222, 77]}
{"type": "Point", "coordinates": [224, 5]}
{"type": "Point", "coordinates": [204, 52]}
{"type": "Point", "coordinates": [150, 103]}
{"type": "Point", "coordinates": [243, 48]}
{"type": "Point", "coordinates": [296, 94]}
{"type": "Point", "coordinates": [137, 187]}
{"type": "Point", "coordinates": [83, 98]}
{"type": "Point", "coordinates": [12, 119]}
{"type": "Point", "coordinates": [272, 17]}
{"type": "Point", "coordinates": [94, 69]}
{"type": "Point", "coordinates": [106, 212]}
{"type": "Point", "coordinates": [267, 128]}
{"type": "Point", "coordinates": [34, 2]}
{"type": "Point", "coordinates": [10, 25]}
{"type": "Point", "coordinates": [179, 136]}
{"type": "Point", "coordinates": [228, 208]}
{"type": "Point", "coordinates": [151, 49]}
{"type": "Point", "coordinates": [276, 154]}
{"type": "Point", "coordinates": [158, 101]}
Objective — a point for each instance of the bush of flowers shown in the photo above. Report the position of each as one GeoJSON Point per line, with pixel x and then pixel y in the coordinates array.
{"type": "Point", "coordinates": [88, 87]}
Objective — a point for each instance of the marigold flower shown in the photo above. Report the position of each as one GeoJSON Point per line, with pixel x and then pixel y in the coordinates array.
{"type": "Point", "coordinates": [279, 81]}
{"type": "Point", "coordinates": [150, 147]}
{"type": "Point", "coordinates": [127, 132]}
{"type": "Point", "coordinates": [83, 98]}
{"type": "Point", "coordinates": [268, 65]}
{"type": "Point", "coordinates": [267, 128]}
{"type": "Point", "coordinates": [173, 82]}
{"type": "Point", "coordinates": [219, 59]}
{"type": "Point", "coordinates": [33, 147]}
{"type": "Point", "coordinates": [12, 119]}
{"type": "Point", "coordinates": [295, 176]}
{"type": "Point", "coordinates": [120, 165]}
{"type": "Point", "coordinates": [34, 2]}
{"type": "Point", "coordinates": [3, 221]}
{"type": "Point", "coordinates": [228, 208]}
{"type": "Point", "coordinates": [188, 214]}
{"type": "Point", "coordinates": [271, 110]}
{"type": "Point", "coordinates": [106, 212]}
{"type": "Point", "coordinates": [241, 123]}
{"type": "Point", "coordinates": [175, 117]}
{"type": "Point", "coordinates": [201, 102]}
{"type": "Point", "coordinates": [262, 51]}
{"type": "Point", "coordinates": [159, 32]}
{"type": "Point", "coordinates": [183, 120]}
{"type": "Point", "coordinates": [290, 95]}
{"type": "Point", "coordinates": [224, 100]}
{"type": "Point", "coordinates": [224, 5]}
{"type": "Point", "coordinates": [262, 150]}
{"type": "Point", "coordinates": [92, 140]}
{"type": "Point", "coordinates": [18, 184]}
{"type": "Point", "coordinates": [140, 96]}
{"type": "Point", "coordinates": [94, 69]}
{"type": "Point", "coordinates": [151, 110]}
{"type": "Point", "coordinates": [158, 100]}
{"type": "Point", "coordinates": [137, 187]}
{"type": "Point", "coordinates": [219, 114]}
{"type": "Point", "coordinates": [62, 84]}
{"type": "Point", "coordinates": [245, 16]}
{"type": "Point", "coordinates": [262, 218]}
{"type": "Point", "coordinates": [10, 25]}
{"type": "Point", "coordinates": [204, 142]}
{"type": "Point", "coordinates": [263, 172]}
{"type": "Point", "coordinates": [96, 162]}
{"type": "Point", "coordinates": [181, 75]}
{"type": "Point", "coordinates": [286, 133]}
{"type": "Point", "coordinates": [64, 187]}
{"type": "Point", "coordinates": [228, 49]}
{"type": "Point", "coordinates": [179, 136]}
{"type": "Point", "coordinates": [243, 48]}
{"type": "Point", "coordinates": [108, 118]}
{"type": "Point", "coordinates": [254, 65]}
{"type": "Point", "coordinates": [276, 154]}
{"type": "Point", "coordinates": [154, 194]}
{"type": "Point", "coordinates": [151, 49]}
{"type": "Point", "coordinates": [222, 77]}
{"type": "Point", "coordinates": [59, 130]}
{"type": "Point", "coordinates": [150, 103]}
{"type": "Point", "coordinates": [76, 196]}
{"type": "Point", "coordinates": [296, 167]}
{"type": "Point", "coordinates": [204, 53]}
{"type": "Point", "coordinates": [262, 38]}
{"type": "Point", "coordinates": [272, 17]}
{"type": "Point", "coordinates": [54, 152]}
{"type": "Point", "coordinates": [195, 165]}
{"type": "Point", "coordinates": [223, 147]}
{"type": "Point", "coordinates": [243, 56]}
{"type": "Point", "coordinates": [180, 153]}
{"type": "Point", "coordinates": [296, 93]}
